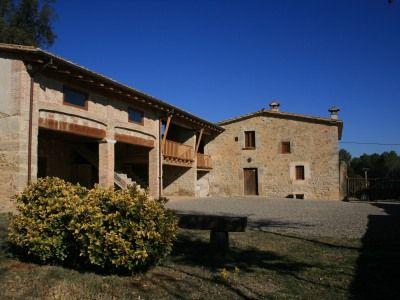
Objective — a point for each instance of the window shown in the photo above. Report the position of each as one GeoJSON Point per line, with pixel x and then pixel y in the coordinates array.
{"type": "Point", "coordinates": [300, 173]}
{"type": "Point", "coordinates": [75, 98]}
{"type": "Point", "coordinates": [249, 140]}
{"type": "Point", "coordinates": [135, 116]}
{"type": "Point", "coordinates": [285, 147]}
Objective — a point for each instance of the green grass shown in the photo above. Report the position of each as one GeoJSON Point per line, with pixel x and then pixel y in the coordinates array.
{"type": "Point", "coordinates": [259, 265]}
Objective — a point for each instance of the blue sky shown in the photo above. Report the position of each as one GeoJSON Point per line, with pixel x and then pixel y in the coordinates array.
{"type": "Point", "coordinates": [219, 59]}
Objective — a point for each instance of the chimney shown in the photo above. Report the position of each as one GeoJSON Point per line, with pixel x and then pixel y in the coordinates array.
{"type": "Point", "coordinates": [274, 106]}
{"type": "Point", "coordinates": [334, 110]}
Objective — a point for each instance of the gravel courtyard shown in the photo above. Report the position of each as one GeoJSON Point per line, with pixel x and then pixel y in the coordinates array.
{"type": "Point", "coordinates": [310, 217]}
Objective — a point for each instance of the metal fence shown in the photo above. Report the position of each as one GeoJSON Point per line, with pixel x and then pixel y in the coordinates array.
{"type": "Point", "coordinates": [373, 189]}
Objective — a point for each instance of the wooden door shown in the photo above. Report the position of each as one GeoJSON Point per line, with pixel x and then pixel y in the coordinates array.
{"type": "Point", "coordinates": [250, 182]}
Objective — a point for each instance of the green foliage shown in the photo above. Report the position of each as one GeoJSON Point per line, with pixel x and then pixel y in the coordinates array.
{"type": "Point", "coordinates": [123, 230]}
{"type": "Point", "coordinates": [46, 209]}
{"type": "Point", "coordinates": [345, 156]}
{"type": "Point", "coordinates": [385, 165]}
{"type": "Point", "coordinates": [27, 22]}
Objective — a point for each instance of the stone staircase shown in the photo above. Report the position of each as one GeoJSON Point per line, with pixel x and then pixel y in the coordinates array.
{"type": "Point", "coordinates": [120, 180]}
{"type": "Point", "coordinates": [123, 181]}
{"type": "Point", "coordinates": [137, 179]}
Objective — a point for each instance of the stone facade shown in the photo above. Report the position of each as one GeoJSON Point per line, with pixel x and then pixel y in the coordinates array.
{"type": "Point", "coordinates": [92, 144]}
{"type": "Point", "coordinates": [103, 116]}
{"type": "Point", "coordinates": [181, 181]}
{"type": "Point", "coordinates": [14, 92]}
{"type": "Point", "coordinates": [314, 145]}
{"type": "Point", "coordinates": [71, 141]}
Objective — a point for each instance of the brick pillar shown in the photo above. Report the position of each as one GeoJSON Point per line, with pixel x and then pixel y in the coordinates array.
{"type": "Point", "coordinates": [154, 166]}
{"type": "Point", "coordinates": [154, 178]}
{"type": "Point", "coordinates": [106, 162]}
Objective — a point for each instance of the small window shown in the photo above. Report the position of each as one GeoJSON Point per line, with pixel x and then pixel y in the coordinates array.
{"type": "Point", "coordinates": [75, 98]}
{"type": "Point", "coordinates": [300, 173]}
{"type": "Point", "coordinates": [285, 147]}
{"type": "Point", "coordinates": [135, 116]}
{"type": "Point", "coordinates": [249, 139]}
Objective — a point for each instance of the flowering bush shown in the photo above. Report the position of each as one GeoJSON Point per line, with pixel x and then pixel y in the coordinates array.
{"type": "Point", "coordinates": [114, 230]}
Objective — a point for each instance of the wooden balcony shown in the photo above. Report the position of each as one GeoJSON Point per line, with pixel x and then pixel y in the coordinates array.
{"type": "Point", "coordinates": [177, 154]}
{"type": "Point", "coordinates": [204, 161]}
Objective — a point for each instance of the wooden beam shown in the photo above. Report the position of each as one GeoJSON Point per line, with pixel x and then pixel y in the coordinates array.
{"type": "Point", "coordinates": [166, 131]}
{"type": "Point", "coordinates": [199, 140]}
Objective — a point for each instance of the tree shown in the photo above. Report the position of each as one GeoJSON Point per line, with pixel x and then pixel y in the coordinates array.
{"type": "Point", "coordinates": [345, 156]}
{"type": "Point", "coordinates": [385, 165]}
{"type": "Point", "coordinates": [27, 22]}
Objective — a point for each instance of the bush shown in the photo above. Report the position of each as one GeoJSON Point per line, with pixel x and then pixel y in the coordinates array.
{"type": "Point", "coordinates": [114, 230]}
{"type": "Point", "coordinates": [123, 230]}
{"type": "Point", "coordinates": [46, 209]}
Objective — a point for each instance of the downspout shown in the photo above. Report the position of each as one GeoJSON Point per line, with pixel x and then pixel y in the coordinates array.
{"type": "Point", "coordinates": [30, 125]}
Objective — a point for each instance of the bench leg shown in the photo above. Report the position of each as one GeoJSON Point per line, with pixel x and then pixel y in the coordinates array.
{"type": "Point", "coordinates": [219, 240]}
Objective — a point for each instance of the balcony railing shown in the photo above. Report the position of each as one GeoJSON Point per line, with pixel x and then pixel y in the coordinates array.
{"type": "Point", "coordinates": [178, 151]}
{"type": "Point", "coordinates": [204, 161]}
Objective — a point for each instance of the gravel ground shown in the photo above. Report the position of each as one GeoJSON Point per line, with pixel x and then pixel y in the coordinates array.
{"type": "Point", "coordinates": [306, 217]}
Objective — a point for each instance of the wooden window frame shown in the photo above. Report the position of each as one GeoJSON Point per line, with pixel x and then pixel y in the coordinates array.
{"type": "Point", "coordinates": [283, 149]}
{"type": "Point", "coordinates": [65, 87]}
{"type": "Point", "coordinates": [303, 172]}
{"type": "Point", "coordinates": [139, 111]}
{"type": "Point", "coordinates": [246, 147]}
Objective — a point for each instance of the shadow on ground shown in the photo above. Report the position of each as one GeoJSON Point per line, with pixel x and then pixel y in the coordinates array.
{"type": "Point", "coordinates": [194, 251]}
{"type": "Point", "coordinates": [378, 265]}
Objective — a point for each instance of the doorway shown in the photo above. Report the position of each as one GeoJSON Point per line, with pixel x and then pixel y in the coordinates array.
{"type": "Point", "coordinates": [250, 181]}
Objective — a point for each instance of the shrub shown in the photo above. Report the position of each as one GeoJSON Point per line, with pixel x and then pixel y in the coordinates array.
{"type": "Point", "coordinates": [114, 230]}
{"type": "Point", "coordinates": [46, 209]}
{"type": "Point", "coordinates": [123, 230]}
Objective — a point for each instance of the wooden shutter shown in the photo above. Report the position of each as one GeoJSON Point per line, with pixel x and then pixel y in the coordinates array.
{"type": "Point", "coordinates": [249, 139]}
{"type": "Point", "coordinates": [285, 147]}
{"type": "Point", "coordinates": [300, 173]}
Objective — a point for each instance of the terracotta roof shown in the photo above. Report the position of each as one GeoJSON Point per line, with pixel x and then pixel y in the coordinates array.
{"type": "Point", "coordinates": [287, 115]}
{"type": "Point", "coordinates": [38, 56]}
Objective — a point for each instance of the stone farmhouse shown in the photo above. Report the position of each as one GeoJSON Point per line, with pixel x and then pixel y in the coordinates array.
{"type": "Point", "coordinates": [60, 119]}
{"type": "Point", "coordinates": [278, 154]}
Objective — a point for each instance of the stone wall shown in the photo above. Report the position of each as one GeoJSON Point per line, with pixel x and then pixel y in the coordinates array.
{"type": "Point", "coordinates": [103, 113]}
{"type": "Point", "coordinates": [14, 105]}
{"type": "Point", "coordinates": [181, 181]}
{"type": "Point", "coordinates": [203, 184]}
{"type": "Point", "coordinates": [313, 145]}
{"type": "Point", "coordinates": [343, 180]}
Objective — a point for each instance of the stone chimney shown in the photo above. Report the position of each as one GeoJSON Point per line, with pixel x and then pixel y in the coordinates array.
{"type": "Point", "coordinates": [274, 106]}
{"type": "Point", "coordinates": [334, 110]}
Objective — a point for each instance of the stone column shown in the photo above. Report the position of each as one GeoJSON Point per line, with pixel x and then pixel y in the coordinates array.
{"type": "Point", "coordinates": [106, 162]}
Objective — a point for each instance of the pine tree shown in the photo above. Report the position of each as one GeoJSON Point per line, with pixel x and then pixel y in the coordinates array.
{"type": "Point", "coordinates": [27, 22]}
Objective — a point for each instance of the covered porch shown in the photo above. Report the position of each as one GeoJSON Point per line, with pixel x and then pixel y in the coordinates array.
{"type": "Point", "coordinates": [185, 165]}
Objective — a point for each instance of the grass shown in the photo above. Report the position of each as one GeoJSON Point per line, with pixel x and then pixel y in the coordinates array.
{"type": "Point", "coordinates": [260, 265]}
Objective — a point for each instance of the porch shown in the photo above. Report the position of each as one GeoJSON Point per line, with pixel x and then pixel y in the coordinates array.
{"type": "Point", "coordinates": [88, 161]}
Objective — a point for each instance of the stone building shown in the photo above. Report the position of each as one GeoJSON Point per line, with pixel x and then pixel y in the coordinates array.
{"type": "Point", "coordinates": [60, 119]}
{"type": "Point", "coordinates": [276, 154]}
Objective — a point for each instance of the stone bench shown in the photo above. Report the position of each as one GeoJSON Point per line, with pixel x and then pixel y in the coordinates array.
{"type": "Point", "coordinates": [219, 226]}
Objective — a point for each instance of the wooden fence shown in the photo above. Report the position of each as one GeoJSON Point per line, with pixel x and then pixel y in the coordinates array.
{"type": "Point", "coordinates": [373, 189]}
